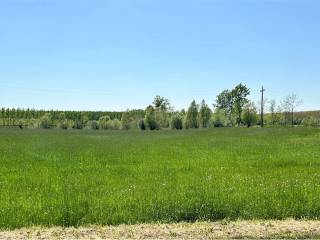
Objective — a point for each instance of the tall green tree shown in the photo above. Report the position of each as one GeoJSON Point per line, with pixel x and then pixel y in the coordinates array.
{"type": "Point", "coordinates": [3, 116]}
{"type": "Point", "coordinates": [192, 117]}
{"type": "Point", "coordinates": [224, 102]}
{"type": "Point", "coordinates": [62, 116]}
{"type": "Point", "coordinates": [176, 121]}
{"type": "Point", "coordinates": [8, 116]}
{"type": "Point", "coordinates": [162, 108]}
{"type": "Point", "coordinates": [13, 116]}
{"type": "Point", "coordinates": [161, 103]}
{"type": "Point", "coordinates": [204, 114]}
{"type": "Point", "coordinates": [239, 96]}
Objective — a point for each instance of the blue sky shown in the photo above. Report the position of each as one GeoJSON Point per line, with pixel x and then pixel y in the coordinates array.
{"type": "Point", "coordinates": [118, 54]}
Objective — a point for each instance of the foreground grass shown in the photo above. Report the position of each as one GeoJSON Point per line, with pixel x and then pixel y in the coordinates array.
{"type": "Point", "coordinates": [73, 178]}
{"type": "Point", "coordinates": [286, 229]}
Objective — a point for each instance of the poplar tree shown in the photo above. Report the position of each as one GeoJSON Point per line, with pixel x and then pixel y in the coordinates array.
{"type": "Point", "coordinates": [192, 116]}
{"type": "Point", "coordinates": [204, 114]}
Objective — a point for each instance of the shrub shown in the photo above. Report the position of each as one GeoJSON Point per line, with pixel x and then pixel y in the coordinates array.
{"type": "Point", "coordinates": [150, 119]}
{"type": "Point", "coordinates": [114, 124]}
{"type": "Point", "coordinates": [109, 125]}
{"type": "Point", "coordinates": [162, 119]}
{"type": "Point", "coordinates": [64, 124]}
{"type": "Point", "coordinates": [78, 124]}
{"type": "Point", "coordinates": [93, 125]}
{"type": "Point", "coordinates": [33, 123]}
{"type": "Point", "coordinates": [249, 115]}
{"type": "Point", "coordinates": [311, 122]}
{"type": "Point", "coordinates": [142, 125]}
{"type": "Point", "coordinates": [176, 122]}
{"type": "Point", "coordinates": [103, 122]}
{"type": "Point", "coordinates": [126, 120]}
{"type": "Point", "coordinates": [219, 118]}
{"type": "Point", "coordinates": [46, 121]}
{"type": "Point", "coordinates": [21, 122]}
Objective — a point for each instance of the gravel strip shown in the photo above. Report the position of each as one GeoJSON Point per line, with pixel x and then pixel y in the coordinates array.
{"type": "Point", "coordinates": [201, 230]}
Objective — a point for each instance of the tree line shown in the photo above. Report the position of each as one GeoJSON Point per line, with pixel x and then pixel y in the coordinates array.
{"type": "Point", "coordinates": [231, 108]}
{"type": "Point", "coordinates": [32, 118]}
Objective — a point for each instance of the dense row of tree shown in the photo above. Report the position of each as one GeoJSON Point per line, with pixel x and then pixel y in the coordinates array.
{"type": "Point", "coordinates": [231, 108]}
{"type": "Point", "coordinates": [69, 119]}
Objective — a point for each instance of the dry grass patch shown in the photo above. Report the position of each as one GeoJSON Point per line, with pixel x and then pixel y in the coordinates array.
{"type": "Point", "coordinates": [288, 229]}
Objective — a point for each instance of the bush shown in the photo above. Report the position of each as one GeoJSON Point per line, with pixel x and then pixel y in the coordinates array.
{"type": "Point", "coordinates": [103, 122]}
{"type": "Point", "coordinates": [78, 124]}
{"type": "Point", "coordinates": [219, 118]}
{"type": "Point", "coordinates": [64, 124]}
{"type": "Point", "coordinates": [216, 122]}
{"type": "Point", "coordinates": [93, 125]}
{"type": "Point", "coordinates": [109, 125]}
{"type": "Point", "coordinates": [176, 122]}
{"type": "Point", "coordinates": [21, 123]}
{"type": "Point", "coordinates": [311, 122]}
{"type": "Point", "coordinates": [114, 124]}
{"type": "Point", "coordinates": [249, 115]}
{"type": "Point", "coordinates": [142, 125]}
{"type": "Point", "coordinates": [150, 119]}
{"type": "Point", "coordinates": [46, 121]}
{"type": "Point", "coordinates": [126, 120]}
{"type": "Point", "coordinates": [33, 123]}
{"type": "Point", "coordinates": [162, 118]}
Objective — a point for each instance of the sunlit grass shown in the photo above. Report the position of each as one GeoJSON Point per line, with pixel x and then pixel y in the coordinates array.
{"type": "Point", "coordinates": [72, 178]}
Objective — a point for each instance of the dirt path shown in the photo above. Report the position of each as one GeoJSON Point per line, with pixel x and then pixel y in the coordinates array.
{"type": "Point", "coordinates": [202, 230]}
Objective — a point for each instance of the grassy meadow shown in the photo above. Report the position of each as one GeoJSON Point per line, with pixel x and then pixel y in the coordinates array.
{"type": "Point", "coordinates": [73, 178]}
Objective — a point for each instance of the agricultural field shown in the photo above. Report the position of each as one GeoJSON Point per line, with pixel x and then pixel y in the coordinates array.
{"type": "Point", "coordinates": [79, 178]}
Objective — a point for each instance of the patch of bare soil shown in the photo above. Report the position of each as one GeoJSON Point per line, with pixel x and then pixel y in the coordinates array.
{"type": "Point", "coordinates": [288, 229]}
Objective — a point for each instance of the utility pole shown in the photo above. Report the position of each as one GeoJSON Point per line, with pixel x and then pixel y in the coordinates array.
{"type": "Point", "coordinates": [262, 105]}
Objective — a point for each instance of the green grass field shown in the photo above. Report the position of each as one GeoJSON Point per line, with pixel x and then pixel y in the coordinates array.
{"type": "Point", "coordinates": [72, 178]}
